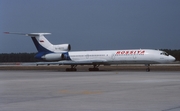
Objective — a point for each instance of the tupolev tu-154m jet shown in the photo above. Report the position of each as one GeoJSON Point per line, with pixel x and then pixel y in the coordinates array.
{"type": "Point", "coordinates": [61, 54]}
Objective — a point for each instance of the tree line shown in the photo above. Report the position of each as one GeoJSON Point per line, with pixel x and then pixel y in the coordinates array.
{"type": "Point", "coordinates": [17, 57]}
{"type": "Point", "coordinates": [29, 57]}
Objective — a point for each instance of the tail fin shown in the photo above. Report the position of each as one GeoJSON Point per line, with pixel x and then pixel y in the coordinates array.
{"type": "Point", "coordinates": [41, 43]}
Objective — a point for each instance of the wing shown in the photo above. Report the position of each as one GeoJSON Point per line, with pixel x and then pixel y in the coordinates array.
{"type": "Point", "coordinates": [89, 62]}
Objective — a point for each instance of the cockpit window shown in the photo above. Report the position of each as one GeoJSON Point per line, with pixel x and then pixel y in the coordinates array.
{"type": "Point", "coordinates": [164, 53]}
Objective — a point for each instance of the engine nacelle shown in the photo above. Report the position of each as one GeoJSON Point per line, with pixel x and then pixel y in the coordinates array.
{"type": "Point", "coordinates": [53, 57]}
{"type": "Point", "coordinates": [62, 47]}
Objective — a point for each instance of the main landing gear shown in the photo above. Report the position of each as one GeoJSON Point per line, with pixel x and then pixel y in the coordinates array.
{"type": "Point", "coordinates": [95, 68]}
{"type": "Point", "coordinates": [147, 69]}
{"type": "Point", "coordinates": [73, 68]}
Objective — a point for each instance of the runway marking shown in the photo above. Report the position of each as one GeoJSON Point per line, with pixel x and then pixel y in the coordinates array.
{"type": "Point", "coordinates": [84, 92]}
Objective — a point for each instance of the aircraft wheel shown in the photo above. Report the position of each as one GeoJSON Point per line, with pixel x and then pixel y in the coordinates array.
{"type": "Point", "coordinates": [74, 69]}
{"type": "Point", "coordinates": [148, 70]}
{"type": "Point", "coordinates": [90, 69]}
{"type": "Point", "coordinates": [71, 69]}
{"type": "Point", "coordinates": [67, 69]}
{"type": "Point", "coordinates": [96, 69]}
{"type": "Point", "coordinates": [93, 69]}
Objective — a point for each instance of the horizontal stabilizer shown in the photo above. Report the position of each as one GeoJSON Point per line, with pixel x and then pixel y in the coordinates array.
{"type": "Point", "coordinates": [29, 34]}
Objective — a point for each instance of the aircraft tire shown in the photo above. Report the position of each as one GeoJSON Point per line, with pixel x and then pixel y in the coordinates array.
{"type": "Point", "coordinates": [74, 69]}
{"type": "Point", "coordinates": [148, 70]}
{"type": "Point", "coordinates": [71, 69]}
{"type": "Point", "coordinates": [97, 69]}
{"type": "Point", "coordinates": [67, 69]}
{"type": "Point", "coordinates": [93, 69]}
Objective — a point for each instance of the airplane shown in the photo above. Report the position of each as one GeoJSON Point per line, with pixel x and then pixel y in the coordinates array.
{"type": "Point", "coordinates": [61, 54]}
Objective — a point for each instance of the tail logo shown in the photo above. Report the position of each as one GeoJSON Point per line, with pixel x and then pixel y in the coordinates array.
{"type": "Point", "coordinates": [41, 41]}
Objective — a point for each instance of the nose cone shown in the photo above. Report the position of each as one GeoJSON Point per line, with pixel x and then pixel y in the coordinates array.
{"type": "Point", "coordinates": [171, 58]}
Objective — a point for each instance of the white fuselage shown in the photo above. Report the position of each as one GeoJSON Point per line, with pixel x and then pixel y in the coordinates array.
{"type": "Point", "coordinates": [135, 56]}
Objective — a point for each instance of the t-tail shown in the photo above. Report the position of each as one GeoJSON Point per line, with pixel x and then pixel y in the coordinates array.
{"type": "Point", "coordinates": [43, 46]}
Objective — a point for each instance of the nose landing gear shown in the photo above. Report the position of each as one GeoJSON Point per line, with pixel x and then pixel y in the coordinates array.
{"type": "Point", "coordinates": [147, 69]}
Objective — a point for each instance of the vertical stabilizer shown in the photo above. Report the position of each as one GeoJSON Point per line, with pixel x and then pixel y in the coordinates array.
{"type": "Point", "coordinates": [41, 43]}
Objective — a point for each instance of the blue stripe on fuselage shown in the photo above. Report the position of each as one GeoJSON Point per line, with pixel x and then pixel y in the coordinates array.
{"type": "Point", "coordinates": [39, 55]}
{"type": "Point", "coordinates": [66, 55]}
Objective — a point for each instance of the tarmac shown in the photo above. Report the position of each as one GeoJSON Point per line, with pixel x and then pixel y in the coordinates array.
{"type": "Point", "coordinates": [53, 90]}
{"type": "Point", "coordinates": [122, 67]}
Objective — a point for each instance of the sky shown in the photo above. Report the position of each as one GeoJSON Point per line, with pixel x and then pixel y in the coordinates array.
{"type": "Point", "coordinates": [91, 24]}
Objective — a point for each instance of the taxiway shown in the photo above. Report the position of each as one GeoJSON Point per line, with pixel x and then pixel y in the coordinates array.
{"type": "Point", "coordinates": [38, 90]}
